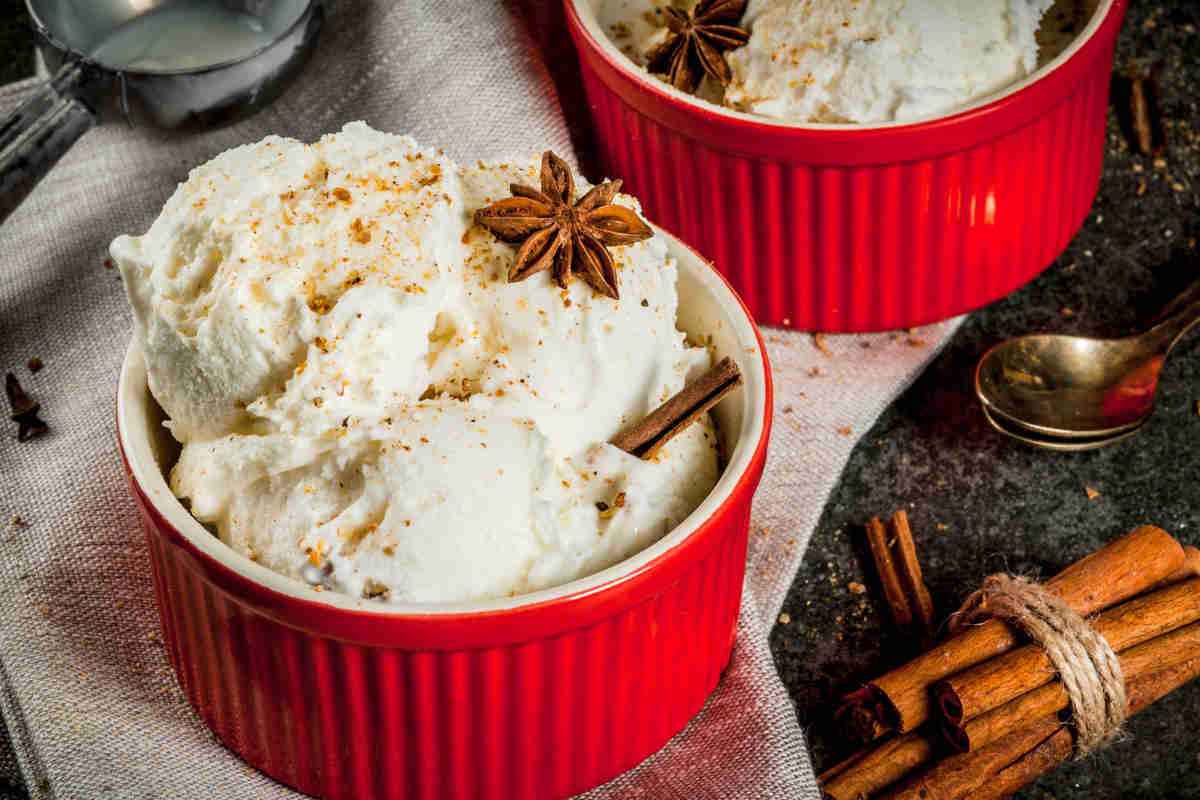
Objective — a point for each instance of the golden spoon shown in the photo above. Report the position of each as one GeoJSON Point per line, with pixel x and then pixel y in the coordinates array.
{"type": "Point", "coordinates": [1059, 443]}
{"type": "Point", "coordinates": [1047, 387]}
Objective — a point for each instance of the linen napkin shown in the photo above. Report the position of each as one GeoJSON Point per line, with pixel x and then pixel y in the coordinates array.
{"type": "Point", "coordinates": [89, 704]}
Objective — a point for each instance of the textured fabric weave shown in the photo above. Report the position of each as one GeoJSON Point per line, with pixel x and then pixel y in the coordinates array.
{"type": "Point", "coordinates": [89, 703]}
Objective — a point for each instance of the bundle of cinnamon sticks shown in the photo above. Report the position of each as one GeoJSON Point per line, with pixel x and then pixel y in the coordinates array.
{"type": "Point", "coordinates": [981, 713]}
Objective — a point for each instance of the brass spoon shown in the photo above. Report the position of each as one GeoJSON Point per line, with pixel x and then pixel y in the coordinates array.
{"type": "Point", "coordinates": [1046, 387]}
{"type": "Point", "coordinates": [1058, 443]}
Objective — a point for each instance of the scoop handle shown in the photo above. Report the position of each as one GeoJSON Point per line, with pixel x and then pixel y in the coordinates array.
{"type": "Point", "coordinates": [1180, 316]}
{"type": "Point", "coordinates": [42, 129]}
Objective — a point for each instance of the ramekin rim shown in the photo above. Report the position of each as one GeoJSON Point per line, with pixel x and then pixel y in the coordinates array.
{"type": "Point", "coordinates": [750, 450]}
{"type": "Point", "coordinates": [604, 47]}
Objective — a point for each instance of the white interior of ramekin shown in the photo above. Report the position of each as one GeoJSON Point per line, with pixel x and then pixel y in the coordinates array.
{"type": "Point", "coordinates": [708, 311]}
{"type": "Point", "coordinates": [587, 15]}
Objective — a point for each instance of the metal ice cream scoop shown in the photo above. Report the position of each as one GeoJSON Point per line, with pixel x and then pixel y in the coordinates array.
{"type": "Point", "coordinates": [173, 63]}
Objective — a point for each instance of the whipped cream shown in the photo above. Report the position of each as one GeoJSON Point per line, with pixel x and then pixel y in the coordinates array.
{"type": "Point", "coordinates": [860, 61]}
{"type": "Point", "coordinates": [366, 404]}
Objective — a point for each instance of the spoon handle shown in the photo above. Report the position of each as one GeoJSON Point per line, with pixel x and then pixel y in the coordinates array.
{"type": "Point", "coordinates": [41, 130]}
{"type": "Point", "coordinates": [1179, 317]}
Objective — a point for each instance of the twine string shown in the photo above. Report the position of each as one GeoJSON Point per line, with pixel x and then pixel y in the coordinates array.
{"type": "Point", "coordinates": [1089, 669]}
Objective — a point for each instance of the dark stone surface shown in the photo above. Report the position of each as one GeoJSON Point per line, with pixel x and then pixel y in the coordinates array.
{"type": "Point", "coordinates": [17, 61]}
{"type": "Point", "coordinates": [980, 503]}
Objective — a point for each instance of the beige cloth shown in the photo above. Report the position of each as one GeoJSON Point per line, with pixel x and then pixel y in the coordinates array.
{"type": "Point", "coordinates": [86, 693]}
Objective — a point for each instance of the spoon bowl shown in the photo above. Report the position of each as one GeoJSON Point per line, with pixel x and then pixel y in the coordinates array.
{"type": "Point", "coordinates": [1070, 386]}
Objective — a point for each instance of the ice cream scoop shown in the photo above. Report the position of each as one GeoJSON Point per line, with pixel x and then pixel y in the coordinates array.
{"type": "Point", "coordinates": [173, 62]}
{"type": "Point", "coordinates": [849, 61]}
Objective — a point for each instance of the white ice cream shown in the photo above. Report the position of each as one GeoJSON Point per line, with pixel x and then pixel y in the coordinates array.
{"type": "Point", "coordinates": [863, 61]}
{"type": "Point", "coordinates": [365, 403]}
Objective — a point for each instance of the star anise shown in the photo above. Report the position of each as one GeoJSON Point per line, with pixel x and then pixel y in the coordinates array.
{"type": "Point", "coordinates": [697, 43]}
{"type": "Point", "coordinates": [557, 233]}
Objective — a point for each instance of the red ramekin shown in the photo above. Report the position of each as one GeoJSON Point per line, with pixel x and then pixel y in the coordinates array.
{"type": "Point", "coordinates": [538, 696]}
{"type": "Point", "coordinates": [862, 227]}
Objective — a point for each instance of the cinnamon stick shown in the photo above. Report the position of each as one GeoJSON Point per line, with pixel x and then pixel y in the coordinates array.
{"type": "Point", "coordinates": [895, 556]}
{"type": "Point", "coordinates": [1164, 652]}
{"type": "Point", "coordinates": [1190, 568]}
{"type": "Point", "coordinates": [1124, 568]}
{"type": "Point", "coordinates": [889, 575]}
{"type": "Point", "coordinates": [1060, 746]}
{"type": "Point", "coordinates": [863, 715]}
{"type": "Point", "coordinates": [989, 685]}
{"type": "Point", "coordinates": [962, 775]}
{"type": "Point", "coordinates": [976, 774]}
{"type": "Point", "coordinates": [1034, 714]}
{"type": "Point", "coordinates": [843, 765]}
{"type": "Point", "coordinates": [1139, 108]}
{"type": "Point", "coordinates": [667, 421]}
{"type": "Point", "coordinates": [913, 581]}
{"type": "Point", "coordinates": [864, 775]}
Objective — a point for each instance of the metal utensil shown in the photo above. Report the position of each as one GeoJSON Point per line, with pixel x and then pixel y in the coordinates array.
{"type": "Point", "coordinates": [1049, 387]}
{"type": "Point", "coordinates": [173, 63]}
{"type": "Point", "coordinates": [1047, 442]}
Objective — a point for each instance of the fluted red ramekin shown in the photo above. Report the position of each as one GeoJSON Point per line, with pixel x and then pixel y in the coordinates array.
{"type": "Point", "coordinates": [862, 227]}
{"type": "Point", "coordinates": [538, 696]}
